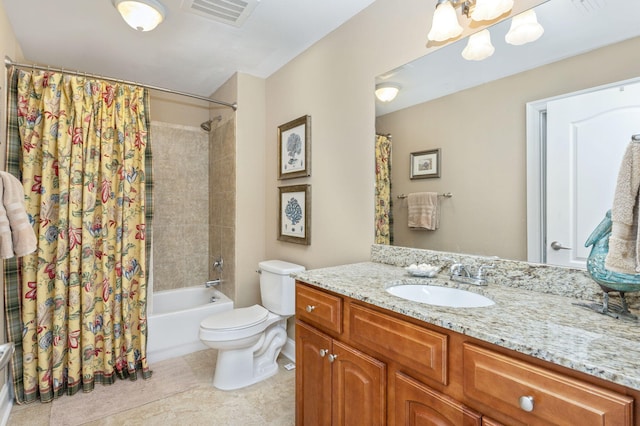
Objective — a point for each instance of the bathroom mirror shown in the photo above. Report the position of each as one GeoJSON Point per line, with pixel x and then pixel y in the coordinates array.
{"type": "Point", "coordinates": [475, 113]}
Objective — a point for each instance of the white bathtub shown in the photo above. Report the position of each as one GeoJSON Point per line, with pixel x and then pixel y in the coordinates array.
{"type": "Point", "coordinates": [175, 320]}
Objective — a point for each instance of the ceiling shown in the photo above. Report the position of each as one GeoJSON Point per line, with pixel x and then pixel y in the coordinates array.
{"type": "Point", "coordinates": [187, 52]}
{"type": "Point", "coordinates": [571, 27]}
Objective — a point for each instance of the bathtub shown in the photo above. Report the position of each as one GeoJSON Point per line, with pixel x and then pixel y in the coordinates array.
{"type": "Point", "coordinates": [174, 322]}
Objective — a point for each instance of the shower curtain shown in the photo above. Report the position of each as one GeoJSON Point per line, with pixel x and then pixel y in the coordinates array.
{"type": "Point", "coordinates": [76, 308]}
{"type": "Point", "coordinates": [383, 202]}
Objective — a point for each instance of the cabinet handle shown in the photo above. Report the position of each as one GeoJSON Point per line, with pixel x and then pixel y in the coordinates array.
{"type": "Point", "coordinates": [310, 308]}
{"type": "Point", "coordinates": [332, 357]}
{"type": "Point", "coordinates": [526, 403]}
{"type": "Point", "coordinates": [323, 352]}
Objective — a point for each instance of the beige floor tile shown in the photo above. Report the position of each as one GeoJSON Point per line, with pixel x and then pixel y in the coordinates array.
{"type": "Point", "coordinates": [271, 402]}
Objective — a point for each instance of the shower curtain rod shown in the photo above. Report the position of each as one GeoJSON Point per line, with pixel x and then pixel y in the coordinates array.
{"type": "Point", "coordinates": [8, 62]}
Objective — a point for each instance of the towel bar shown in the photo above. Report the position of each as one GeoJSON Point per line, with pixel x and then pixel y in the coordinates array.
{"type": "Point", "coordinates": [446, 195]}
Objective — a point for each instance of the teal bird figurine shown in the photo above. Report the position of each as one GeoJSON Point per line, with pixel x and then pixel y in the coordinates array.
{"type": "Point", "coordinates": [608, 281]}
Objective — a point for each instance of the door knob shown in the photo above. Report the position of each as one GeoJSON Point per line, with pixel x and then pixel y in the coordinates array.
{"type": "Point", "coordinates": [558, 246]}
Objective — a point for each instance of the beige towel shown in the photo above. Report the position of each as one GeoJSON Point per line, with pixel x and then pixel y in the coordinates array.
{"type": "Point", "coordinates": [22, 239]}
{"type": "Point", "coordinates": [424, 211]}
{"type": "Point", "coordinates": [624, 242]}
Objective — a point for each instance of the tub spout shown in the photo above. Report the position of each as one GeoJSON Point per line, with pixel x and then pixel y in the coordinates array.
{"type": "Point", "coordinates": [212, 283]}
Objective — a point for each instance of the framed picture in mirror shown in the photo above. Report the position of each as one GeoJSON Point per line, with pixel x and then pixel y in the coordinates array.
{"type": "Point", "coordinates": [425, 164]}
{"type": "Point", "coordinates": [294, 214]}
{"type": "Point", "coordinates": [294, 148]}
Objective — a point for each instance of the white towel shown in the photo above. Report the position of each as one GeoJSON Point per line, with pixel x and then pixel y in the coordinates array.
{"type": "Point", "coordinates": [17, 237]}
{"type": "Point", "coordinates": [623, 255]}
{"type": "Point", "coordinates": [424, 211]}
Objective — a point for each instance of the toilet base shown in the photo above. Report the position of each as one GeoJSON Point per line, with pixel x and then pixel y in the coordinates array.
{"type": "Point", "coordinates": [238, 368]}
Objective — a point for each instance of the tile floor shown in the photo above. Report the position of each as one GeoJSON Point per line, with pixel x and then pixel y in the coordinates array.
{"type": "Point", "coordinates": [271, 402]}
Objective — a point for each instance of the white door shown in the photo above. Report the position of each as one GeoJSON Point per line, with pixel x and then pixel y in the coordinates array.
{"type": "Point", "coordinates": [587, 135]}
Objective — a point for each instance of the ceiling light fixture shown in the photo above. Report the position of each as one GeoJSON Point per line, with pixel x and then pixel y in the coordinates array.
{"type": "Point", "coordinates": [142, 15]}
{"type": "Point", "coordinates": [386, 92]}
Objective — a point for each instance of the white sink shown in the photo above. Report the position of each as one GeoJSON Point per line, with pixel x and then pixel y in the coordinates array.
{"type": "Point", "coordinates": [440, 296]}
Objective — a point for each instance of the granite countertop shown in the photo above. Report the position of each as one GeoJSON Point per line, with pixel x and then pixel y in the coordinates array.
{"type": "Point", "coordinates": [546, 326]}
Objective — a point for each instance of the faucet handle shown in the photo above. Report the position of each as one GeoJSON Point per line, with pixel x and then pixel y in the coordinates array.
{"type": "Point", "coordinates": [456, 268]}
{"type": "Point", "coordinates": [482, 270]}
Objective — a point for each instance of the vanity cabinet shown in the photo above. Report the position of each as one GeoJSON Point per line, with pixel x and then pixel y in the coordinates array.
{"type": "Point", "coordinates": [335, 384]}
{"type": "Point", "coordinates": [359, 364]}
{"type": "Point", "coordinates": [536, 395]}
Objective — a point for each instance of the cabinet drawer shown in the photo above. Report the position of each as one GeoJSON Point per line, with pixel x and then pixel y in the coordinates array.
{"type": "Point", "coordinates": [414, 347]}
{"type": "Point", "coordinates": [499, 381]}
{"type": "Point", "coordinates": [319, 308]}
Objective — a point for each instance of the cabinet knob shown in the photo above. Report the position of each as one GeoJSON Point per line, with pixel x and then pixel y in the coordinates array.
{"type": "Point", "coordinates": [526, 403]}
{"type": "Point", "coordinates": [323, 352]}
{"type": "Point", "coordinates": [332, 357]}
{"type": "Point", "coordinates": [310, 308]}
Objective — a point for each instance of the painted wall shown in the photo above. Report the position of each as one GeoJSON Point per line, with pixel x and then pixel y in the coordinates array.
{"type": "Point", "coordinates": [482, 136]}
{"type": "Point", "coordinates": [333, 82]}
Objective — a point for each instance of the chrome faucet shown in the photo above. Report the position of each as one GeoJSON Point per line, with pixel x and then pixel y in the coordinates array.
{"type": "Point", "coordinates": [461, 274]}
{"type": "Point", "coordinates": [212, 283]}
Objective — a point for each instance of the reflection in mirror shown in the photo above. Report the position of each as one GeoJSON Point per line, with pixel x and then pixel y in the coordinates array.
{"type": "Point", "coordinates": [474, 112]}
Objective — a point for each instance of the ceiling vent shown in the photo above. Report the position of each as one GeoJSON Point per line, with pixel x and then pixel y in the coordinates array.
{"type": "Point", "coordinates": [232, 12]}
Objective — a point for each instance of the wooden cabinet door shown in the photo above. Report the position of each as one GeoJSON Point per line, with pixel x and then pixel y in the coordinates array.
{"type": "Point", "coordinates": [313, 377]}
{"type": "Point", "coordinates": [359, 388]}
{"type": "Point", "coordinates": [418, 405]}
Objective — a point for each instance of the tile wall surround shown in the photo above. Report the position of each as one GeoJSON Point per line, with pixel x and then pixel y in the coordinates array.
{"type": "Point", "coordinates": [548, 279]}
{"type": "Point", "coordinates": [222, 206]}
{"type": "Point", "coordinates": [181, 205]}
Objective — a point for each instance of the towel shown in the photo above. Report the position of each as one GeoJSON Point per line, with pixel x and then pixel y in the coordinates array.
{"type": "Point", "coordinates": [424, 212]}
{"type": "Point", "coordinates": [624, 242]}
{"type": "Point", "coordinates": [17, 237]}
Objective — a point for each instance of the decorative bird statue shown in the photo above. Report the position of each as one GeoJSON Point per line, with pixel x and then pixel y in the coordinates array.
{"type": "Point", "coordinates": [608, 280]}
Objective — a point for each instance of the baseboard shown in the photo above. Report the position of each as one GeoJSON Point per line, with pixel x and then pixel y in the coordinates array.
{"type": "Point", "coordinates": [6, 403]}
{"type": "Point", "coordinates": [289, 350]}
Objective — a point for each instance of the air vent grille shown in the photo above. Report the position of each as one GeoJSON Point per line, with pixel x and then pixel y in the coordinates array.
{"type": "Point", "coordinates": [232, 12]}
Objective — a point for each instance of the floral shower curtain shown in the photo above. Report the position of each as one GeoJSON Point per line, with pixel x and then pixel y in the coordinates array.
{"type": "Point", "coordinates": [383, 214]}
{"type": "Point", "coordinates": [76, 308]}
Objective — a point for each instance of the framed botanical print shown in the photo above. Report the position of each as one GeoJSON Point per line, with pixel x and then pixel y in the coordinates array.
{"type": "Point", "coordinates": [294, 148]}
{"type": "Point", "coordinates": [425, 164]}
{"type": "Point", "coordinates": [294, 214]}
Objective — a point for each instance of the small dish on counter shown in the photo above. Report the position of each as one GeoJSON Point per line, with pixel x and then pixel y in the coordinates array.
{"type": "Point", "coordinates": [422, 270]}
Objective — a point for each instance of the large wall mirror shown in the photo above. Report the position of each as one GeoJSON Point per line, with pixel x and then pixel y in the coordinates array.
{"type": "Point", "coordinates": [475, 114]}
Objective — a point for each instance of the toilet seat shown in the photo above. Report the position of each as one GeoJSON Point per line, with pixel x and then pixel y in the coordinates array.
{"type": "Point", "coordinates": [236, 324]}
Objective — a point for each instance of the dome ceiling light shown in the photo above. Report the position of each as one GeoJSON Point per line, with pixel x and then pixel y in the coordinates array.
{"type": "Point", "coordinates": [141, 15]}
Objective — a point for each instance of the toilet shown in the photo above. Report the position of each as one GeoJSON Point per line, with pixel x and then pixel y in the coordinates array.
{"type": "Point", "coordinates": [249, 339]}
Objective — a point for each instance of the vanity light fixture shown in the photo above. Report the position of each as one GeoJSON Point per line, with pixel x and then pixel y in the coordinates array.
{"type": "Point", "coordinates": [487, 10]}
{"type": "Point", "coordinates": [524, 28]}
{"type": "Point", "coordinates": [479, 46]}
{"type": "Point", "coordinates": [142, 15]}
{"type": "Point", "coordinates": [386, 92]}
{"type": "Point", "coordinates": [445, 24]}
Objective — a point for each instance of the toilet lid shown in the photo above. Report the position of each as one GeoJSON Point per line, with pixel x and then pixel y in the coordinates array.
{"type": "Point", "coordinates": [236, 318]}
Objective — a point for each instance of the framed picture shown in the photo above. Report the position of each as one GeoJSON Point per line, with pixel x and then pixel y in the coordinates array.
{"type": "Point", "coordinates": [425, 164]}
{"type": "Point", "coordinates": [294, 214]}
{"type": "Point", "coordinates": [294, 148]}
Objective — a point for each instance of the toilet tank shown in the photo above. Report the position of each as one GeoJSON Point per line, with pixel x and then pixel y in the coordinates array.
{"type": "Point", "coordinates": [277, 288]}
